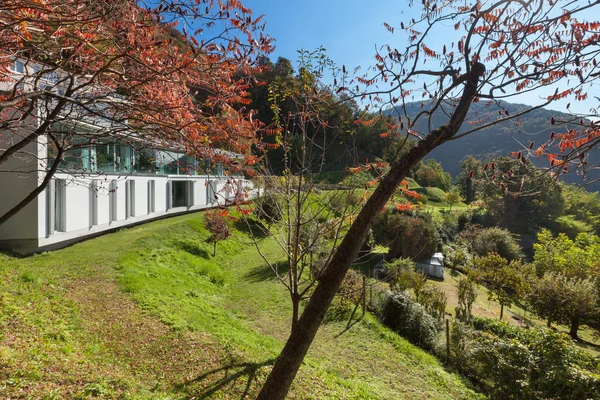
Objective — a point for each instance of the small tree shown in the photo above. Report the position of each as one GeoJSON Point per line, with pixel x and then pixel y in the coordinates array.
{"type": "Point", "coordinates": [504, 280]}
{"type": "Point", "coordinates": [467, 294]}
{"type": "Point", "coordinates": [453, 197]}
{"type": "Point", "coordinates": [218, 227]}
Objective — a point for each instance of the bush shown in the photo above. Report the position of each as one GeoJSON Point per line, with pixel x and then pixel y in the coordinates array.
{"type": "Point", "coordinates": [410, 320]}
{"type": "Point", "coordinates": [268, 208]}
{"type": "Point", "coordinates": [509, 362]}
{"type": "Point", "coordinates": [433, 194]}
{"type": "Point", "coordinates": [492, 240]}
{"type": "Point", "coordinates": [401, 274]}
{"type": "Point", "coordinates": [408, 237]}
{"type": "Point", "coordinates": [571, 226]}
{"type": "Point", "coordinates": [434, 300]}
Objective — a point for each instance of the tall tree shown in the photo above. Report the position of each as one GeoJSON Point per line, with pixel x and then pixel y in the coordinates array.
{"type": "Point", "coordinates": [75, 73]}
{"type": "Point", "coordinates": [528, 45]}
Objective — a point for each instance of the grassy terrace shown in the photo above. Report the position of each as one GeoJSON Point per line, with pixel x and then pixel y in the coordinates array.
{"type": "Point", "coordinates": [149, 313]}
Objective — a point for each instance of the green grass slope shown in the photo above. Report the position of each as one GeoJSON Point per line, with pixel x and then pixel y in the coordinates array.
{"type": "Point", "coordinates": [149, 313]}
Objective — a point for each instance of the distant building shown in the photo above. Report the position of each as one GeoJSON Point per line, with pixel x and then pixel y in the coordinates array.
{"type": "Point", "coordinates": [433, 266]}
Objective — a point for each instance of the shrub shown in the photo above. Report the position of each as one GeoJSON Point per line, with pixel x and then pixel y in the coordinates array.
{"type": "Point", "coordinates": [410, 320]}
{"type": "Point", "coordinates": [268, 208]}
{"type": "Point", "coordinates": [351, 289]}
{"type": "Point", "coordinates": [401, 273]}
{"type": "Point", "coordinates": [434, 300]}
{"type": "Point", "coordinates": [406, 236]}
{"type": "Point", "coordinates": [509, 362]}
{"type": "Point", "coordinates": [492, 240]}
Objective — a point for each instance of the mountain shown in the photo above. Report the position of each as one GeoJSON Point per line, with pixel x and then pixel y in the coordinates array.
{"type": "Point", "coordinates": [500, 139]}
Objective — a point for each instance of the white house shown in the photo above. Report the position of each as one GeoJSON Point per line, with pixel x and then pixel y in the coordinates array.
{"type": "Point", "coordinates": [101, 186]}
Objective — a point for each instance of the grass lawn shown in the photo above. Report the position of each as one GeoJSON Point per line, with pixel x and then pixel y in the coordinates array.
{"type": "Point", "coordinates": [149, 313]}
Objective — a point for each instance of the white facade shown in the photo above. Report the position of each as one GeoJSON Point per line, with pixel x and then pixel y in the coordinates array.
{"type": "Point", "coordinates": [75, 207]}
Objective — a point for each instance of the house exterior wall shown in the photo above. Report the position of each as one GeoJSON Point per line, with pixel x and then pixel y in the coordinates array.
{"type": "Point", "coordinates": [88, 202]}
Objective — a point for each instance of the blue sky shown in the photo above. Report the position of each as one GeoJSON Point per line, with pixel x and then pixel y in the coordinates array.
{"type": "Point", "coordinates": [350, 30]}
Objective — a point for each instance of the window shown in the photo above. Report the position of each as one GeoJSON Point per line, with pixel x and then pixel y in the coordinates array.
{"type": "Point", "coordinates": [182, 193]}
{"type": "Point", "coordinates": [151, 196]}
{"type": "Point", "coordinates": [18, 67]}
{"type": "Point", "coordinates": [60, 206]}
{"type": "Point", "coordinates": [105, 157]}
{"type": "Point", "coordinates": [129, 199]}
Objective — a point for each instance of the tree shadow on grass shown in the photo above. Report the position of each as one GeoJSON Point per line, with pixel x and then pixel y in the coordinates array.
{"type": "Point", "coordinates": [264, 272]}
{"type": "Point", "coordinates": [192, 248]}
{"type": "Point", "coordinates": [226, 377]}
{"type": "Point", "coordinates": [252, 227]}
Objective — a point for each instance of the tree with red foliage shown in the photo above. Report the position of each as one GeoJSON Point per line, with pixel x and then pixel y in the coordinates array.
{"type": "Point", "coordinates": [74, 73]}
{"type": "Point", "coordinates": [503, 49]}
{"type": "Point", "coordinates": [218, 227]}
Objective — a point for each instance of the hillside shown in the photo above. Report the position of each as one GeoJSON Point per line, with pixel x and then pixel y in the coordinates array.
{"type": "Point", "coordinates": [499, 140]}
{"type": "Point", "coordinates": [148, 313]}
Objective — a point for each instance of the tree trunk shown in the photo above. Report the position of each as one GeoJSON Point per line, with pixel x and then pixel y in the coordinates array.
{"type": "Point", "coordinates": [501, 311]}
{"type": "Point", "coordinates": [295, 311]}
{"type": "Point", "coordinates": [574, 328]}
{"type": "Point", "coordinates": [215, 248]}
{"type": "Point", "coordinates": [549, 323]}
{"type": "Point", "coordinates": [284, 371]}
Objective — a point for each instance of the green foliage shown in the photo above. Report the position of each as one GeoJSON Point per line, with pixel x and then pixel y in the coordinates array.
{"type": "Point", "coordinates": [453, 196]}
{"type": "Point", "coordinates": [570, 226]}
{"type": "Point", "coordinates": [467, 294]}
{"type": "Point", "coordinates": [432, 194]}
{"type": "Point", "coordinates": [560, 254]}
{"type": "Point", "coordinates": [408, 237]}
{"type": "Point", "coordinates": [513, 363]}
{"type": "Point", "coordinates": [505, 280]}
{"type": "Point", "coordinates": [401, 274]}
{"type": "Point", "coordinates": [582, 206]}
{"type": "Point", "coordinates": [434, 300]}
{"type": "Point", "coordinates": [358, 179]}
{"type": "Point", "coordinates": [566, 288]}
{"type": "Point", "coordinates": [410, 320]}
{"type": "Point", "coordinates": [431, 173]}
{"type": "Point", "coordinates": [484, 241]}
{"type": "Point", "coordinates": [268, 208]}
{"type": "Point", "coordinates": [520, 198]}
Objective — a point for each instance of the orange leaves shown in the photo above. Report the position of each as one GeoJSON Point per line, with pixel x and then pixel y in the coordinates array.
{"type": "Point", "coordinates": [428, 52]}
{"type": "Point", "coordinates": [413, 194]}
{"type": "Point", "coordinates": [363, 122]}
{"type": "Point", "coordinates": [404, 207]}
{"type": "Point", "coordinates": [354, 170]}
